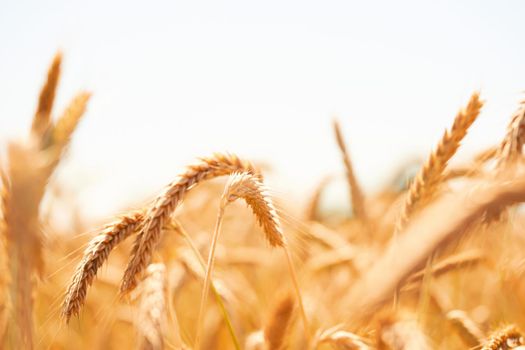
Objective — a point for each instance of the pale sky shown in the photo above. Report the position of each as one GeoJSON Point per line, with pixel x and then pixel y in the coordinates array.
{"type": "Point", "coordinates": [175, 80]}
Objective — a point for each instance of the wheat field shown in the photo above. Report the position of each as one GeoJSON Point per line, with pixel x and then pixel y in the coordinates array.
{"type": "Point", "coordinates": [216, 260]}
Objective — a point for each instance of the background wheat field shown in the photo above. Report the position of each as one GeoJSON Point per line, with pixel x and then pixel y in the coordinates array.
{"type": "Point", "coordinates": [179, 181]}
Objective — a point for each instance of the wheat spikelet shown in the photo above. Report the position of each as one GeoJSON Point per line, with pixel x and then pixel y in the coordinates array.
{"type": "Point", "coordinates": [152, 320]}
{"type": "Point", "coordinates": [356, 193]}
{"type": "Point", "coordinates": [507, 337]}
{"type": "Point", "coordinates": [425, 184]}
{"type": "Point", "coordinates": [41, 119]}
{"type": "Point", "coordinates": [165, 204]}
{"type": "Point", "coordinates": [94, 257]}
{"type": "Point", "coordinates": [276, 328]}
{"type": "Point", "coordinates": [467, 329]}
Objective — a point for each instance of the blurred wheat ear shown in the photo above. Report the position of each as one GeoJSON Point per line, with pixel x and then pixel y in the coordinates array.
{"type": "Point", "coordinates": [27, 171]}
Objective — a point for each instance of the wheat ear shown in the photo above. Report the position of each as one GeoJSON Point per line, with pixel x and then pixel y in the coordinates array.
{"type": "Point", "coordinates": [42, 117]}
{"type": "Point", "coordinates": [507, 337]}
{"type": "Point", "coordinates": [167, 202]}
{"type": "Point", "coordinates": [276, 328]}
{"type": "Point", "coordinates": [512, 144]}
{"type": "Point", "coordinates": [152, 321]}
{"type": "Point", "coordinates": [425, 184]}
{"type": "Point", "coordinates": [95, 256]}
{"type": "Point", "coordinates": [509, 152]}
{"type": "Point", "coordinates": [356, 193]}
{"type": "Point", "coordinates": [60, 134]}
{"type": "Point", "coordinates": [248, 187]}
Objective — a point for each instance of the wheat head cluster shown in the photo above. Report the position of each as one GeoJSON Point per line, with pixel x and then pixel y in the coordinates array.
{"type": "Point", "coordinates": [216, 260]}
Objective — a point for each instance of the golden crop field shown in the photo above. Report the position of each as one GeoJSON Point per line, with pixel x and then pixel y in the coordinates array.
{"type": "Point", "coordinates": [216, 261]}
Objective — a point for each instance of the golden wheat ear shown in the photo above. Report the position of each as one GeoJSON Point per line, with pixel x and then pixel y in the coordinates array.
{"type": "Point", "coordinates": [425, 184]}
{"type": "Point", "coordinates": [59, 136]}
{"type": "Point", "coordinates": [165, 204]}
{"type": "Point", "coordinates": [42, 117]}
{"type": "Point", "coordinates": [512, 145]}
{"type": "Point", "coordinates": [95, 256]}
{"type": "Point", "coordinates": [507, 337]}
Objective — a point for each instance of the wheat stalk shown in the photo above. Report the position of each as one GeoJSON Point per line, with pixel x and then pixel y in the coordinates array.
{"type": "Point", "coordinates": [467, 329]}
{"type": "Point", "coordinates": [175, 225]}
{"type": "Point", "coordinates": [356, 193]}
{"type": "Point", "coordinates": [95, 256]}
{"type": "Point", "coordinates": [167, 202]}
{"type": "Point", "coordinates": [152, 320]}
{"type": "Point", "coordinates": [425, 184]}
{"type": "Point", "coordinates": [276, 328]}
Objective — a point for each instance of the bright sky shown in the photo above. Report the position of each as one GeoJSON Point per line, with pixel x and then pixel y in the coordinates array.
{"type": "Point", "coordinates": [179, 79]}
